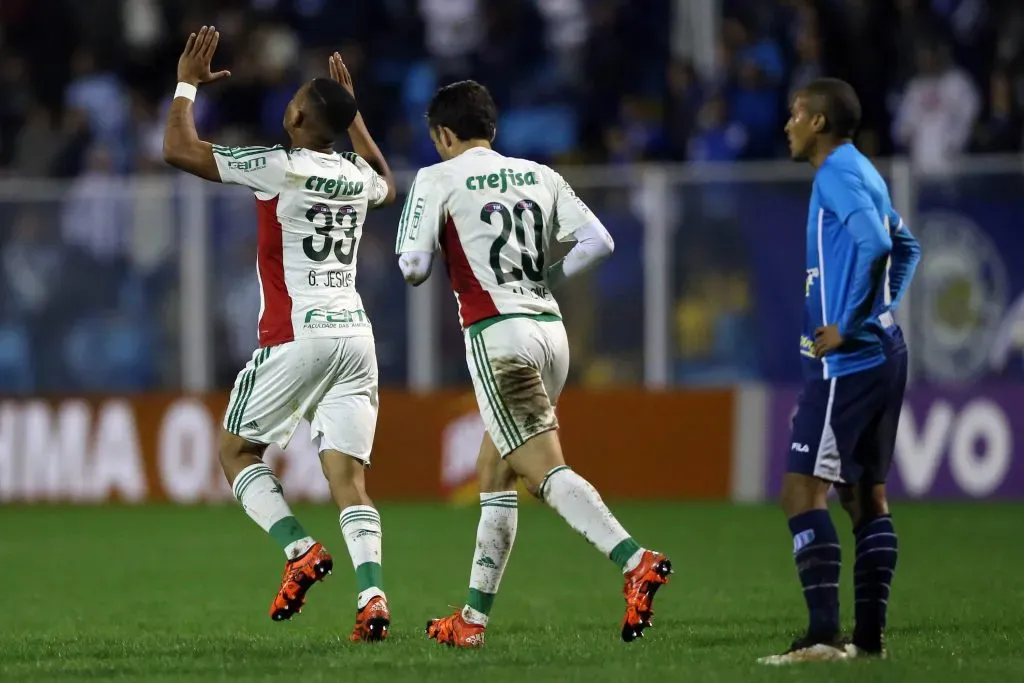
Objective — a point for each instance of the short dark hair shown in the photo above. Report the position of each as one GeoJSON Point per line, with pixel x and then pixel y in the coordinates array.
{"type": "Point", "coordinates": [838, 101]}
{"type": "Point", "coordinates": [465, 107]}
{"type": "Point", "coordinates": [334, 108]}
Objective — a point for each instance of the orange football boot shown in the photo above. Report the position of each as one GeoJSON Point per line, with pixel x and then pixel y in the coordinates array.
{"type": "Point", "coordinates": [454, 631]}
{"type": "Point", "coordinates": [372, 621]}
{"type": "Point", "coordinates": [299, 575]}
{"type": "Point", "coordinates": [641, 585]}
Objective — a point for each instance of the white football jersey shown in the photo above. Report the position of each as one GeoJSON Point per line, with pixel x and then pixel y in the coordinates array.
{"type": "Point", "coordinates": [310, 212]}
{"type": "Point", "coordinates": [494, 219]}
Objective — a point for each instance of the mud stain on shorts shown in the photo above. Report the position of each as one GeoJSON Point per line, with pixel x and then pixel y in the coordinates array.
{"type": "Point", "coordinates": [521, 388]}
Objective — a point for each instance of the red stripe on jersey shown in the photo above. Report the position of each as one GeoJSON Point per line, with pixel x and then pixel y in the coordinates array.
{"type": "Point", "coordinates": [276, 322]}
{"type": "Point", "coordinates": [475, 303]}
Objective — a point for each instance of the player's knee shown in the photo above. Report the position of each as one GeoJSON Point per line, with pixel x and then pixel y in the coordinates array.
{"type": "Point", "coordinates": [495, 476]}
{"type": "Point", "coordinates": [346, 476]}
{"type": "Point", "coordinates": [233, 449]}
{"type": "Point", "coordinates": [502, 479]}
{"type": "Point", "coordinates": [533, 482]}
{"type": "Point", "coordinates": [486, 473]}
{"type": "Point", "coordinates": [801, 493]}
{"type": "Point", "coordinates": [349, 493]}
{"type": "Point", "coordinates": [535, 458]}
{"type": "Point", "coordinates": [875, 500]}
{"type": "Point", "coordinates": [849, 500]}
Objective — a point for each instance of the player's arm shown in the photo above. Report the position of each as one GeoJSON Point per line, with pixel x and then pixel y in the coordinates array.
{"type": "Point", "coordinates": [419, 228]}
{"type": "Point", "coordinates": [845, 194]}
{"type": "Point", "coordinates": [906, 254]}
{"type": "Point", "coordinates": [575, 220]}
{"type": "Point", "coordinates": [593, 246]}
{"type": "Point", "coordinates": [377, 173]}
{"type": "Point", "coordinates": [182, 147]}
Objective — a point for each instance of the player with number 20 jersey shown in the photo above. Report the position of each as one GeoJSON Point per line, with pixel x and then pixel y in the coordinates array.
{"type": "Point", "coordinates": [493, 218]}
{"type": "Point", "coordinates": [316, 357]}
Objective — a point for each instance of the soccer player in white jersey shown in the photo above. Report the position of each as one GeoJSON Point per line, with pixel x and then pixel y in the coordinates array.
{"type": "Point", "coordinates": [493, 218]}
{"type": "Point", "coordinates": [316, 357]}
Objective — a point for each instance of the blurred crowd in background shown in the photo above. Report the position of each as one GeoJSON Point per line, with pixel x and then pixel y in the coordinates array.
{"type": "Point", "coordinates": [84, 85]}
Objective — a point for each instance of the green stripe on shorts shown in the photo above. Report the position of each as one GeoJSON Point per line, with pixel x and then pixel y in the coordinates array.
{"type": "Point", "coordinates": [508, 427]}
{"type": "Point", "coordinates": [519, 440]}
{"type": "Point", "coordinates": [236, 403]}
{"type": "Point", "coordinates": [245, 387]}
{"type": "Point", "coordinates": [482, 375]}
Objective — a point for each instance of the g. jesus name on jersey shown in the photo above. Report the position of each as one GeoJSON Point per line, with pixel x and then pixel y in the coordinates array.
{"type": "Point", "coordinates": [311, 207]}
{"type": "Point", "coordinates": [494, 218]}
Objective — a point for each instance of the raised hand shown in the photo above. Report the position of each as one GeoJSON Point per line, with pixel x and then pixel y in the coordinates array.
{"type": "Point", "coordinates": [194, 64]}
{"type": "Point", "coordinates": [339, 73]}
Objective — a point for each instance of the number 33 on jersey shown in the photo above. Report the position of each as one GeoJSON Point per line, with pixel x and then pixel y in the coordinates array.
{"type": "Point", "coordinates": [311, 207]}
{"type": "Point", "coordinates": [494, 218]}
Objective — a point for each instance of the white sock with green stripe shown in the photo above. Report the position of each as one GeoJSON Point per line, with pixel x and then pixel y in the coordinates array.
{"type": "Point", "coordinates": [261, 496]}
{"type": "Point", "coordinates": [360, 525]}
{"type": "Point", "coordinates": [495, 534]}
{"type": "Point", "coordinates": [581, 506]}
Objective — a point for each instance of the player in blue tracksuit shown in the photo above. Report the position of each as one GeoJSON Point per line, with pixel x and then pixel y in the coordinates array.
{"type": "Point", "coordinates": [855, 371]}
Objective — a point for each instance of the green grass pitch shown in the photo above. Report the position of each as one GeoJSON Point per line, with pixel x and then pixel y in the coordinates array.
{"type": "Point", "coordinates": [160, 594]}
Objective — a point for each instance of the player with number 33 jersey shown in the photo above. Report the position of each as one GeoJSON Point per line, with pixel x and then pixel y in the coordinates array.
{"type": "Point", "coordinates": [310, 211]}
{"type": "Point", "coordinates": [316, 358]}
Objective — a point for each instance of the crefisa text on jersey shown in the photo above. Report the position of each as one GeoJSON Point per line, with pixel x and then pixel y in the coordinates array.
{"type": "Point", "coordinates": [333, 187]}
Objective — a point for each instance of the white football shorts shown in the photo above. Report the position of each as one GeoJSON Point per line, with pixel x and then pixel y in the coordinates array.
{"type": "Point", "coordinates": [332, 382]}
{"type": "Point", "coordinates": [519, 365]}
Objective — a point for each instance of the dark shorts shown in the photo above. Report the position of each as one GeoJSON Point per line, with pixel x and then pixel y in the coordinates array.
{"type": "Point", "coordinates": [844, 430]}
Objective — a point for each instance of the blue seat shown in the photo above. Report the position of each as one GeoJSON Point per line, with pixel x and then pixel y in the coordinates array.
{"type": "Point", "coordinates": [15, 360]}
{"type": "Point", "coordinates": [543, 131]}
{"type": "Point", "coordinates": [110, 354]}
{"type": "Point", "coordinates": [419, 86]}
{"type": "Point", "coordinates": [83, 354]}
{"type": "Point", "coordinates": [129, 356]}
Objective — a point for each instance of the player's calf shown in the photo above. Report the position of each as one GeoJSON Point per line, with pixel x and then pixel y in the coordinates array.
{"type": "Point", "coordinates": [361, 527]}
{"type": "Point", "coordinates": [261, 495]}
{"type": "Point", "coordinates": [579, 503]}
{"type": "Point", "coordinates": [877, 551]}
{"type": "Point", "coordinates": [873, 571]}
{"type": "Point", "coordinates": [816, 551]}
{"type": "Point", "coordinates": [495, 536]}
{"type": "Point", "coordinates": [495, 532]}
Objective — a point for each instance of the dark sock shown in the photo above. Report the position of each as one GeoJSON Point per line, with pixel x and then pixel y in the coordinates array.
{"type": "Point", "coordinates": [817, 556]}
{"type": "Point", "coordinates": [873, 570]}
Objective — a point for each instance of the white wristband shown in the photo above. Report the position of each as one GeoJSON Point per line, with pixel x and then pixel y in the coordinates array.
{"type": "Point", "coordinates": [186, 90]}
